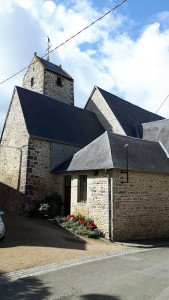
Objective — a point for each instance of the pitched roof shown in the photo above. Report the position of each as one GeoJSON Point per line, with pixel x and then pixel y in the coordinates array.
{"type": "Point", "coordinates": [109, 152]}
{"type": "Point", "coordinates": [54, 68]}
{"type": "Point", "coordinates": [50, 119]}
{"type": "Point", "coordinates": [157, 131]}
{"type": "Point", "coordinates": [127, 113]}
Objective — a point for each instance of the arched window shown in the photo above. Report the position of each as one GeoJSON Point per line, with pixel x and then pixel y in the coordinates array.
{"type": "Point", "coordinates": [32, 81]}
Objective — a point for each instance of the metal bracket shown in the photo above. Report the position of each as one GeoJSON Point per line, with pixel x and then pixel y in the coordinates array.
{"type": "Point", "coordinates": [126, 171]}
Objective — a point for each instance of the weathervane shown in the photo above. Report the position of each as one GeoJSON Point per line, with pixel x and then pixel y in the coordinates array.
{"type": "Point", "coordinates": [49, 46]}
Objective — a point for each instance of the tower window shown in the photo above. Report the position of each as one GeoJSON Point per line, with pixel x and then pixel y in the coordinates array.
{"type": "Point", "coordinates": [32, 81]}
{"type": "Point", "coordinates": [59, 81]}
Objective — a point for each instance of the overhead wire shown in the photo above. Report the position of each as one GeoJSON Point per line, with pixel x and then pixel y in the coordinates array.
{"type": "Point", "coordinates": [147, 123]}
{"type": "Point", "coordinates": [162, 104]}
{"type": "Point", "coordinates": [73, 36]}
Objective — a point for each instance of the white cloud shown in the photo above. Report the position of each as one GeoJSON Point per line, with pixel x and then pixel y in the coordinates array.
{"type": "Point", "coordinates": [140, 68]}
{"type": "Point", "coordinates": [103, 55]}
{"type": "Point", "coordinates": [163, 16]}
{"type": "Point", "coordinates": [49, 6]}
{"type": "Point", "coordinates": [5, 6]}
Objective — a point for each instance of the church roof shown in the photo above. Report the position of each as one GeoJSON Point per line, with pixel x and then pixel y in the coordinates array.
{"type": "Point", "coordinates": [157, 131]}
{"type": "Point", "coordinates": [109, 152]}
{"type": "Point", "coordinates": [54, 68]}
{"type": "Point", "coordinates": [128, 114]}
{"type": "Point", "coordinates": [50, 119]}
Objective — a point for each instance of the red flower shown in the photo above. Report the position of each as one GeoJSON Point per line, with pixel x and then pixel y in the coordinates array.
{"type": "Point", "coordinates": [82, 221]}
{"type": "Point", "coordinates": [66, 219]}
{"type": "Point", "coordinates": [92, 225]}
{"type": "Point", "coordinates": [70, 216]}
{"type": "Point", "coordinates": [75, 218]}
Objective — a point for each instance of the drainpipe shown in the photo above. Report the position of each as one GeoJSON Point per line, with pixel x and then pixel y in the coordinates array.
{"type": "Point", "coordinates": [109, 202]}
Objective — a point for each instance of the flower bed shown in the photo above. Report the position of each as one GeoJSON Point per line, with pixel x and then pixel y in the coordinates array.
{"type": "Point", "coordinates": [79, 224]}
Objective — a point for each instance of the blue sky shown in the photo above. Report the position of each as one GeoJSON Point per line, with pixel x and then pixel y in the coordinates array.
{"type": "Point", "coordinates": [127, 53]}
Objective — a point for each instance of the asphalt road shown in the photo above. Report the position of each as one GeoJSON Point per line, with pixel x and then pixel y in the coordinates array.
{"type": "Point", "coordinates": [141, 275]}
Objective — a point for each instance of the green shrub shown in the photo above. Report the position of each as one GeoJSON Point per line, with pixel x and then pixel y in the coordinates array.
{"type": "Point", "coordinates": [55, 205]}
{"type": "Point", "coordinates": [48, 208]}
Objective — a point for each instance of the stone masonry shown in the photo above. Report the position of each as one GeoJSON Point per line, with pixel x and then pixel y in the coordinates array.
{"type": "Point", "coordinates": [40, 80]}
{"type": "Point", "coordinates": [40, 182]}
{"type": "Point", "coordinates": [35, 71]}
{"type": "Point", "coordinates": [141, 207]}
{"type": "Point", "coordinates": [99, 106]}
{"type": "Point", "coordinates": [63, 93]}
{"type": "Point", "coordinates": [13, 148]}
{"type": "Point", "coordinates": [26, 163]}
{"type": "Point", "coordinates": [96, 206]}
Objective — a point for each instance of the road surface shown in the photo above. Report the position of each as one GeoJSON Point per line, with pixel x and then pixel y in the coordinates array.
{"type": "Point", "coordinates": [136, 276]}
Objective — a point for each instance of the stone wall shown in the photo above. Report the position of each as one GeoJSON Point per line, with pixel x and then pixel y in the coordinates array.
{"type": "Point", "coordinates": [35, 71]}
{"type": "Point", "coordinates": [99, 106]}
{"type": "Point", "coordinates": [40, 182]}
{"type": "Point", "coordinates": [13, 148]}
{"type": "Point", "coordinates": [45, 82]}
{"type": "Point", "coordinates": [10, 199]}
{"type": "Point", "coordinates": [96, 206]}
{"type": "Point", "coordinates": [63, 93]}
{"type": "Point", "coordinates": [140, 207]}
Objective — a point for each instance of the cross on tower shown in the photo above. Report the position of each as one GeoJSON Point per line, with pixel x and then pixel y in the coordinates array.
{"type": "Point", "coordinates": [49, 46]}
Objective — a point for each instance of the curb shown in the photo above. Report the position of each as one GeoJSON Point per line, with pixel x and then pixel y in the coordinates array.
{"type": "Point", "coordinates": [7, 278]}
{"type": "Point", "coordinates": [146, 246]}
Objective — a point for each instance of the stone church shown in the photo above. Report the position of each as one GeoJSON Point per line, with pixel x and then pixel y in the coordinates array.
{"type": "Point", "coordinates": [109, 161]}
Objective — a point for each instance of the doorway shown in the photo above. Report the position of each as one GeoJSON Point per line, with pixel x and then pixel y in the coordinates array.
{"type": "Point", "coordinates": [67, 194]}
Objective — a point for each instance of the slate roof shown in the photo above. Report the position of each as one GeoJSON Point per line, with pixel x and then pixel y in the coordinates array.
{"type": "Point", "coordinates": [50, 119]}
{"type": "Point", "coordinates": [54, 68]}
{"type": "Point", "coordinates": [127, 113]}
{"type": "Point", "coordinates": [157, 131]}
{"type": "Point", "coordinates": [108, 152]}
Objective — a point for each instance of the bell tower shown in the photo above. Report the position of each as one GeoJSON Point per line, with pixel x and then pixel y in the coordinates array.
{"type": "Point", "coordinates": [46, 78]}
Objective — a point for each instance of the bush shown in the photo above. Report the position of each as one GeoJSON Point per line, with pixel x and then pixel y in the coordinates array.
{"type": "Point", "coordinates": [79, 224]}
{"type": "Point", "coordinates": [48, 208]}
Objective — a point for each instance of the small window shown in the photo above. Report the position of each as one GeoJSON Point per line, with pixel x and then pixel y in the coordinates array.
{"type": "Point", "coordinates": [82, 187]}
{"type": "Point", "coordinates": [32, 81]}
{"type": "Point", "coordinates": [59, 81]}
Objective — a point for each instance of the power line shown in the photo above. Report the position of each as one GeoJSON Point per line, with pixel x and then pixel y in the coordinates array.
{"type": "Point", "coordinates": [161, 104]}
{"type": "Point", "coordinates": [73, 36]}
{"type": "Point", "coordinates": [147, 123]}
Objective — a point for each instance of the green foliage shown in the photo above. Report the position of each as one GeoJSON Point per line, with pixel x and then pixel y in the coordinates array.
{"type": "Point", "coordinates": [55, 204]}
{"type": "Point", "coordinates": [47, 208]}
{"type": "Point", "coordinates": [79, 224]}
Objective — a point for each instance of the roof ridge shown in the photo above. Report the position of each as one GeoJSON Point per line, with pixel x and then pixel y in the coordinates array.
{"type": "Point", "coordinates": [131, 137]}
{"type": "Point", "coordinates": [53, 67]}
{"type": "Point", "coordinates": [121, 99]}
{"type": "Point", "coordinates": [46, 60]}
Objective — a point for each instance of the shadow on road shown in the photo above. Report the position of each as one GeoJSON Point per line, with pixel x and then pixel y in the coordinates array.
{"type": "Point", "coordinates": [23, 289]}
{"type": "Point", "coordinates": [24, 231]}
{"type": "Point", "coordinates": [98, 297]}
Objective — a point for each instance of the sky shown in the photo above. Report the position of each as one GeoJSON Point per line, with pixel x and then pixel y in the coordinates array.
{"type": "Point", "coordinates": [126, 53]}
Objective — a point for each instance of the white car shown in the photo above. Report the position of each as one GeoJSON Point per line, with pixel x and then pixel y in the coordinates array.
{"type": "Point", "coordinates": [2, 227]}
